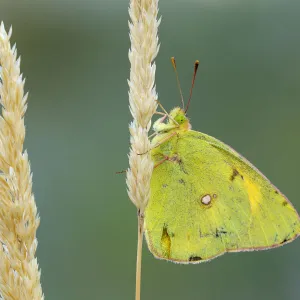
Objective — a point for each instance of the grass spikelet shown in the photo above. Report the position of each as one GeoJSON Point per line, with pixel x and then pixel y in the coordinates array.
{"type": "Point", "coordinates": [19, 271]}
{"type": "Point", "coordinates": [143, 27]}
{"type": "Point", "coordinates": [142, 95]}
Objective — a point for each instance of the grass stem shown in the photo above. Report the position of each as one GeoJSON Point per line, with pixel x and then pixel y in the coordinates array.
{"type": "Point", "coordinates": [139, 256]}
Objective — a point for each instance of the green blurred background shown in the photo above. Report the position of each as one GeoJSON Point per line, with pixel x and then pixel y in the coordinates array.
{"type": "Point", "coordinates": [74, 56]}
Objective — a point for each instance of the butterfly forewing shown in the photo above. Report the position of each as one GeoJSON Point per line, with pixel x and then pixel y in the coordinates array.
{"type": "Point", "coordinates": [207, 200]}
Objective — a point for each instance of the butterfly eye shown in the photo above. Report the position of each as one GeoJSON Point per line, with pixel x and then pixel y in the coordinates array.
{"type": "Point", "coordinates": [180, 119]}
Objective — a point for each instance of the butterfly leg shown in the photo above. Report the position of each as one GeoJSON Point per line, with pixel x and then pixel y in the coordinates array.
{"type": "Point", "coordinates": [164, 140]}
{"type": "Point", "coordinates": [152, 135]}
{"type": "Point", "coordinates": [158, 144]}
{"type": "Point", "coordinates": [166, 112]}
{"type": "Point", "coordinates": [121, 172]}
{"type": "Point", "coordinates": [160, 113]}
{"type": "Point", "coordinates": [162, 161]}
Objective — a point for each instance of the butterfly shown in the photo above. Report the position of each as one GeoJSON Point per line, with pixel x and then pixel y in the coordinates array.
{"type": "Point", "coordinates": [206, 199]}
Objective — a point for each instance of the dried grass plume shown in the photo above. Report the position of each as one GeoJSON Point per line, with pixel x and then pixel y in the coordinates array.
{"type": "Point", "coordinates": [19, 272]}
{"type": "Point", "coordinates": [142, 95]}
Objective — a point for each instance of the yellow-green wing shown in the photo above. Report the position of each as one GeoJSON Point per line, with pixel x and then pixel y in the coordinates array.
{"type": "Point", "coordinates": [206, 200]}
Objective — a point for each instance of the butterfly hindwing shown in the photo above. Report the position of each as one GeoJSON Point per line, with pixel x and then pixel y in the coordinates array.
{"type": "Point", "coordinates": [207, 200]}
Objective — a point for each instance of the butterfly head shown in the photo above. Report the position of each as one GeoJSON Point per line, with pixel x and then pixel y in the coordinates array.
{"type": "Point", "coordinates": [177, 121]}
{"type": "Point", "coordinates": [178, 115]}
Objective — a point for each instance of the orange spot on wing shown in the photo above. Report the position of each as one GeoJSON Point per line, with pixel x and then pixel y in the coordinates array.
{"type": "Point", "coordinates": [166, 242]}
{"type": "Point", "coordinates": [254, 193]}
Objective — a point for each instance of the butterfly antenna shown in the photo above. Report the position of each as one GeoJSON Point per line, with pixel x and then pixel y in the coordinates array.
{"type": "Point", "coordinates": [177, 79]}
{"type": "Point", "coordinates": [193, 82]}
